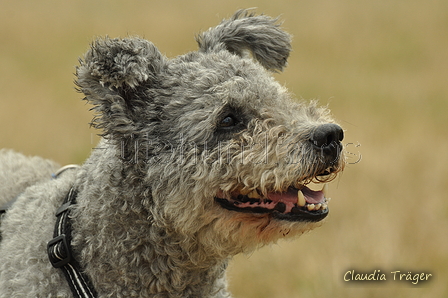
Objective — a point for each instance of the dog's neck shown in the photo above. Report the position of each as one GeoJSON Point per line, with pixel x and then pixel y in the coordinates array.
{"type": "Point", "coordinates": [126, 254]}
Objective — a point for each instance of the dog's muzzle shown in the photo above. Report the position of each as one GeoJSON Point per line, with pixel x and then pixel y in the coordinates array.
{"type": "Point", "coordinates": [299, 202]}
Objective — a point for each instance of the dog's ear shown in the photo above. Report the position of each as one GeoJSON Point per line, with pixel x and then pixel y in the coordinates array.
{"type": "Point", "coordinates": [115, 75]}
{"type": "Point", "coordinates": [262, 35]}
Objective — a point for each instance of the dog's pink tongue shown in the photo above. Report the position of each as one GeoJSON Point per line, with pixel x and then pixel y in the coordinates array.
{"type": "Point", "coordinates": [313, 196]}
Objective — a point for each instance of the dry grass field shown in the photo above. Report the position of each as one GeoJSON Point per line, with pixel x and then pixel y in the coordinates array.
{"type": "Point", "coordinates": [381, 65]}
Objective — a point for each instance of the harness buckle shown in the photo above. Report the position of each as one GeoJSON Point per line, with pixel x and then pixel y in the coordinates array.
{"type": "Point", "coordinates": [58, 251]}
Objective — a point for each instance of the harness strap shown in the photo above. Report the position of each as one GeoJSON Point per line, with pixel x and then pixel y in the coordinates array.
{"type": "Point", "coordinates": [59, 248]}
{"type": "Point", "coordinates": [61, 255]}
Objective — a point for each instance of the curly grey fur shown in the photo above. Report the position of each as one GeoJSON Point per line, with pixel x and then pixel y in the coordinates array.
{"type": "Point", "coordinates": [146, 223]}
{"type": "Point", "coordinates": [21, 172]}
{"type": "Point", "coordinates": [245, 31]}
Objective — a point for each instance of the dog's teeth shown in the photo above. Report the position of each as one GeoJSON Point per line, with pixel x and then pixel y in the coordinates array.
{"type": "Point", "coordinates": [324, 206]}
{"type": "Point", "coordinates": [325, 189]}
{"type": "Point", "coordinates": [253, 194]}
{"type": "Point", "coordinates": [300, 199]}
{"type": "Point", "coordinates": [310, 207]}
{"type": "Point", "coordinates": [317, 207]}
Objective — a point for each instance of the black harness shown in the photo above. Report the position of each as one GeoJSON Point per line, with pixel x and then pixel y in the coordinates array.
{"type": "Point", "coordinates": [61, 255]}
{"type": "Point", "coordinates": [59, 248]}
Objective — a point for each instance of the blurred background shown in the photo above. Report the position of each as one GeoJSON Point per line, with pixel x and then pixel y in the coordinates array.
{"type": "Point", "coordinates": [382, 66]}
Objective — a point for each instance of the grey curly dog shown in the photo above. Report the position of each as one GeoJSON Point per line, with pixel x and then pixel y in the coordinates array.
{"type": "Point", "coordinates": [202, 157]}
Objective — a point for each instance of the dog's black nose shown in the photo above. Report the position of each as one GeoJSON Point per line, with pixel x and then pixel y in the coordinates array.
{"type": "Point", "coordinates": [327, 136]}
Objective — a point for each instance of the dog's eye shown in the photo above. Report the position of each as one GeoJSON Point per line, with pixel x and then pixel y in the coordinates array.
{"type": "Point", "coordinates": [228, 121]}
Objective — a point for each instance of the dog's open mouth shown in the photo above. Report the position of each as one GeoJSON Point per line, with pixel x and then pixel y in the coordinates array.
{"type": "Point", "coordinates": [302, 203]}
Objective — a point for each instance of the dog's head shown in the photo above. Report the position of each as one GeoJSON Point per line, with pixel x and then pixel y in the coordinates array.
{"type": "Point", "coordinates": [224, 152]}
